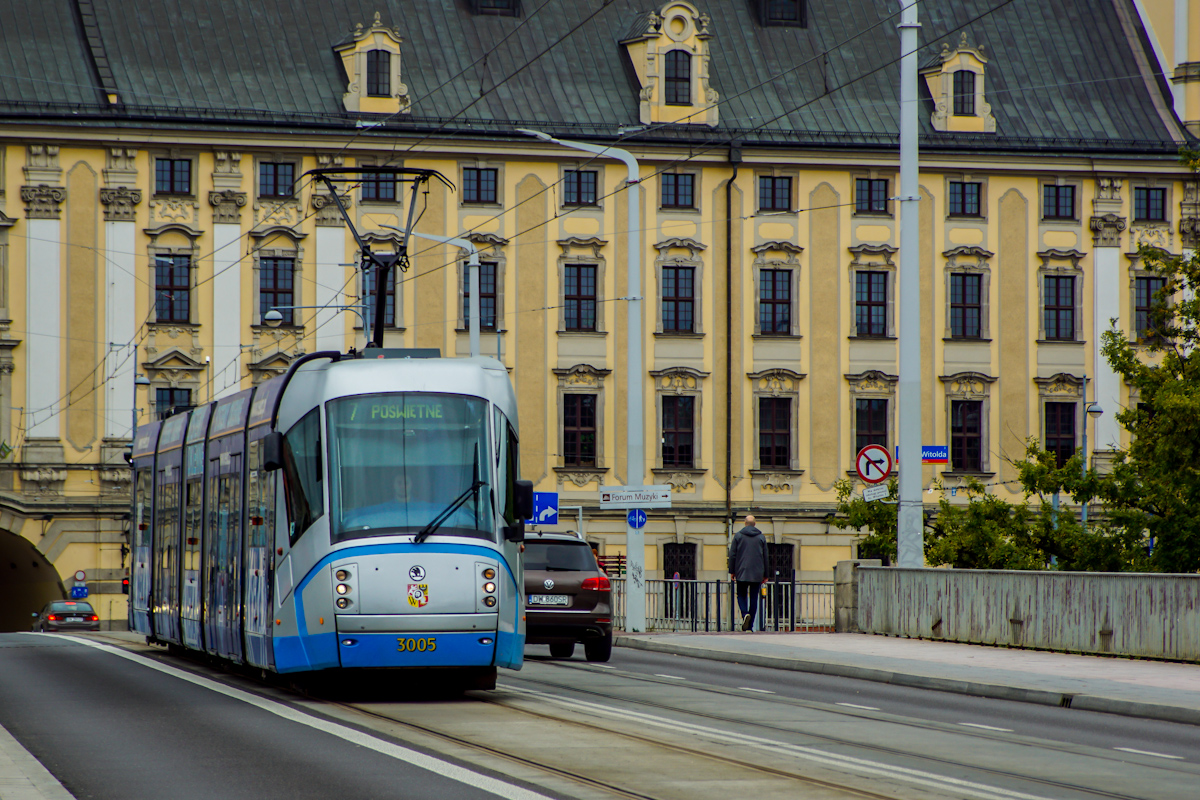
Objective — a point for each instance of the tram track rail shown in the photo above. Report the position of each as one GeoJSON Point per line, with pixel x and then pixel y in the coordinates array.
{"type": "Point", "coordinates": [835, 740]}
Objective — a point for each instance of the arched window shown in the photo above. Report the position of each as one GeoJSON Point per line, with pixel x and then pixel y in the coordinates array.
{"type": "Point", "coordinates": [679, 78]}
{"type": "Point", "coordinates": [964, 93]}
{"type": "Point", "coordinates": [379, 73]}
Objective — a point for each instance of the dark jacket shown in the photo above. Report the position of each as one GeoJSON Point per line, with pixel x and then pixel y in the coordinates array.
{"type": "Point", "coordinates": [748, 555]}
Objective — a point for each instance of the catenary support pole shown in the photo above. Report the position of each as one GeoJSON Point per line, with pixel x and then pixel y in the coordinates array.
{"type": "Point", "coordinates": [635, 461]}
{"type": "Point", "coordinates": [909, 532]}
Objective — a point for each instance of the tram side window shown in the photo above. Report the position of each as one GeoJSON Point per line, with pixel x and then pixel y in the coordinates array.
{"type": "Point", "coordinates": [142, 522]}
{"type": "Point", "coordinates": [509, 462]}
{"type": "Point", "coordinates": [302, 474]}
{"type": "Point", "coordinates": [261, 502]}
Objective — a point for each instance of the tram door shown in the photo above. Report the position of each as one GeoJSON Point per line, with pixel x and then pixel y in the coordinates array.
{"type": "Point", "coordinates": [224, 544]}
{"type": "Point", "coordinates": [142, 533]}
{"type": "Point", "coordinates": [193, 489]}
{"type": "Point", "coordinates": [166, 551]}
{"type": "Point", "coordinates": [260, 525]}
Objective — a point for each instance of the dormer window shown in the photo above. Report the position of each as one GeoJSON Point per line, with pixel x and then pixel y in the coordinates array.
{"type": "Point", "coordinates": [964, 93]}
{"type": "Point", "coordinates": [781, 12]}
{"type": "Point", "coordinates": [501, 8]}
{"type": "Point", "coordinates": [679, 78]}
{"type": "Point", "coordinates": [379, 73]}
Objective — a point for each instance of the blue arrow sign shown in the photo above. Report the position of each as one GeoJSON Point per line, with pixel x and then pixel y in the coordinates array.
{"type": "Point", "coordinates": [545, 508]}
{"type": "Point", "coordinates": [636, 518]}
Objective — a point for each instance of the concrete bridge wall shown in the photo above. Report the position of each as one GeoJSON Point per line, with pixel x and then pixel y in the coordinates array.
{"type": "Point", "coordinates": [1131, 614]}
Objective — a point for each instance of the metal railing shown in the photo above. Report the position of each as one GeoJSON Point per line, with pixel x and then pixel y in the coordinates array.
{"type": "Point", "coordinates": [711, 606]}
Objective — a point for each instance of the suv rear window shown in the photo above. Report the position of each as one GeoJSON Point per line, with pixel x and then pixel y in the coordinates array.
{"type": "Point", "coordinates": [79, 608]}
{"type": "Point", "coordinates": [559, 556]}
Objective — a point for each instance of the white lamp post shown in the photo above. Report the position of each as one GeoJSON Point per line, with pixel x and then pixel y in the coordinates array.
{"type": "Point", "coordinates": [472, 281]}
{"type": "Point", "coordinates": [635, 460]}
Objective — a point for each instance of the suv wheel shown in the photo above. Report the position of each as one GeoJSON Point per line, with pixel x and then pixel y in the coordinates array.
{"type": "Point", "coordinates": [598, 649]}
{"type": "Point", "coordinates": [562, 649]}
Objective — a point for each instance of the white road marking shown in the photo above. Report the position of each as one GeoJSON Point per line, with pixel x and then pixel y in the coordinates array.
{"type": "Point", "coordinates": [861, 766]}
{"type": "Point", "coordinates": [601, 666]}
{"type": "Point", "coordinates": [1148, 753]}
{"type": "Point", "coordinates": [434, 765]}
{"type": "Point", "coordinates": [986, 727]}
{"type": "Point", "coordinates": [752, 689]}
{"type": "Point", "coordinates": [669, 677]}
{"type": "Point", "coordinates": [856, 705]}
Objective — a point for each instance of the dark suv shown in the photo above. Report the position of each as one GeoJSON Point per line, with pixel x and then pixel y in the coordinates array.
{"type": "Point", "coordinates": [568, 598]}
{"type": "Point", "coordinates": [66, 615]}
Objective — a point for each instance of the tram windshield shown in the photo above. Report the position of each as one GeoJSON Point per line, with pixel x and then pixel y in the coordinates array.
{"type": "Point", "coordinates": [398, 460]}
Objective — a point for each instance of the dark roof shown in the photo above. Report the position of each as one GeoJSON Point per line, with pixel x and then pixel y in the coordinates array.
{"type": "Point", "coordinates": [1069, 74]}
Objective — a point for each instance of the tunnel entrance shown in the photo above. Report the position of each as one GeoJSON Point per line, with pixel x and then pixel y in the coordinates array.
{"type": "Point", "coordinates": [27, 582]}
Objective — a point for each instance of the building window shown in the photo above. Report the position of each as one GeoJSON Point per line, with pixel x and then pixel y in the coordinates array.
{"type": "Point", "coordinates": [964, 93]}
{"type": "Point", "coordinates": [370, 281]}
{"type": "Point", "coordinates": [966, 435]}
{"type": "Point", "coordinates": [678, 78]}
{"type": "Point", "coordinates": [487, 295]}
{"type": "Point", "coordinates": [579, 187]}
{"type": "Point", "coordinates": [276, 179]}
{"type": "Point", "coordinates": [172, 289]}
{"type": "Point", "coordinates": [276, 279]}
{"type": "Point", "coordinates": [782, 12]}
{"type": "Point", "coordinates": [870, 195]}
{"type": "Point", "coordinates": [775, 301]}
{"type": "Point", "coordinates": [677, 190]}
{"type": "Point", "coordinates": [870, 303]}
{"type": "Point", "coordinates": [966, 305]}
{"type": "Point", "coordinates": [479, 185]}
{"type": "Point", "coordinates": [503, 8]}
{"type": "Point", "coordinates": [172, 176]}
{"type": "Point", "coordinates": [1149, 204]}
{"type": "Point", "coordinates": [678, 428]}
{"type": "Point", "coordinates": [678, 299]}
{"type": "Point", "coordinates": [870, 423]}
{"type": "Point", "coordinates": [167, 399]}
{"type": "Point", "coordinates": [1060, 307]}
{"type": "Point", "coordinates": [379, 188]}
{"type": "Point", "coordinates": [379, 73]}
{"type": "Point", "coordinates": [964, 198]}
{"type": "Point", "coordinates": [579, 297]}
{"type": "Point", "coordinates": [774, 432]}
{"type": "Point", "coordinates": [774, 193]}
{"type": "Point", "coordinates": [579, 430]}
{"type": "Point", "coordinates": [1146, 301]}
{"type": "Point", "coordinates": [1060, 431]}
{"type": "Point", "coordinates": [1058, 202]}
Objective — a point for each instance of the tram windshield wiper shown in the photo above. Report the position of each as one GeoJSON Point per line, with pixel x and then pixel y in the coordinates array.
{"type": "Point", "coordinates": [437, 521]}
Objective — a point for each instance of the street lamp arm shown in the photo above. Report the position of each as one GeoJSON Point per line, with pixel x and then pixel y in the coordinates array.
{"type": "Point", "coordinates": [601, 150]}
{"type": "Point", "coordinates": [472, 280]}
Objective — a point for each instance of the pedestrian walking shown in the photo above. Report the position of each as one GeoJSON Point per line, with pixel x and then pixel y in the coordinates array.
{"type": "Point", "coordinates": [748, 567]}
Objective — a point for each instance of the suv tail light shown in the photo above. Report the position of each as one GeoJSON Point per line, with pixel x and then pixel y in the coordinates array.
{"type": "Point", "coordinates": [93, 618]}
{"type": "Point", "coordinates": [53, 617]}
{"type": "Point", "coordinates": [598, 584]}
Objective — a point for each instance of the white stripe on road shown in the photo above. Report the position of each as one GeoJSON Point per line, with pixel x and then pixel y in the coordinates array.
{"type": "Point", "coordinates": [751, 689]}
{"type": "Point", "coordinates": [1147, 753]}
{"type": "Point", "coordinates": [986, 727]}
{"type": "Point", "coordinates": [860, 766]}
{"type": "Point", "coordinates": [23, 776]}
{"type": "Point", "coordinates": [420, 760]}
{"type": "Point", "coordinates": [856, 705]}
{"type": "Point", "coordinates": [669, 677]}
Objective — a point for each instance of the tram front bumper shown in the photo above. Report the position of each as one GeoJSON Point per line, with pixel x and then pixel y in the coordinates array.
{"type": "Point", "coordinates": [417, 640]}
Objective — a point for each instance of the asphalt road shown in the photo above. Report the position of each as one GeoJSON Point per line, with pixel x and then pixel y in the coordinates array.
{"type": "Point", "coordinates": [115, 729]}
{"type": "Point", "coordinates": [1107, 731]}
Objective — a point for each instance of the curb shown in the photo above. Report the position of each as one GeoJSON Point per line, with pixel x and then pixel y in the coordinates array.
{"type": "Point", "coordinates": [995, 691]}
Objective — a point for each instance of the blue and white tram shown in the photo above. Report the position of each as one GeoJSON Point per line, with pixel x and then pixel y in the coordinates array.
{"type": "Point", "coordinates": [354, 512]}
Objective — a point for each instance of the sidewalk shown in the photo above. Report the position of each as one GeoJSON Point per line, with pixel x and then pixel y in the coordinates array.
{"type": "Point", "coordinates": [1150, 689]}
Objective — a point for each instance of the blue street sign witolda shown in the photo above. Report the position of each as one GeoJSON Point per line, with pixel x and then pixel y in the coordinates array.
{"type": "Point", "coordinates": [545, 508]}
{"type": "Point", "coordinates": [636, 518]}
{"type": "Point", "coordinates": [78, 592]}
{"type": "Point", "coordinates": [935, 454]}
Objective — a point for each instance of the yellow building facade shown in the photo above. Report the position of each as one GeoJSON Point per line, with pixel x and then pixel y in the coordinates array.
{"type": "Point", "coordinates": [139, 255]}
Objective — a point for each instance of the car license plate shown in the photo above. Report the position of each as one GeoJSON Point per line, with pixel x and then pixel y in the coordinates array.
{"type": "Point", "coordinates": [74, 619]}
{"type": "Point", "coordinates": [549, 600]}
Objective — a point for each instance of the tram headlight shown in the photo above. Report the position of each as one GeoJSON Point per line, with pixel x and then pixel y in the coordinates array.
{"type": "Point", "coordinates": [489, 573]}
{"type": "Point", "coordinates": [342, 588]}
{"type": "Point", "coordinates": [343, 602]}
{"type": "Point", "coordinates": [488, 601]}
{"type": "Point", "coordinates": [342, 574]}
{"type": "Point", "coordinates": [489, 587]}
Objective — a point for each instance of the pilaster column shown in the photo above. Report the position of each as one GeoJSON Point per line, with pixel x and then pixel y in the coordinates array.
{"type": "Point", "coordinates": [43, 196]}
{"type": "Point", "coordinates": [229, 329]}
{"type": "Point", "coordinates": [120, 203]}
{"type": "Point", "coordinates": [1107, 226]}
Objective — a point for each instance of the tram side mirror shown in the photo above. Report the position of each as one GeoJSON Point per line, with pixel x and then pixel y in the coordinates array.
{"type": "Point", "coordinates": [512, 533]}
{"type": "Point", "coordinates": [524, 499]}
{"type": "Point", "coordinates": [272, 451]}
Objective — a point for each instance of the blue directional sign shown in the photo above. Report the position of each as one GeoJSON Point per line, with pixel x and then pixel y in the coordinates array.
{"type": "Point", "coordinates": [545, 508]}
{"type": "Point", "coordinates": [935, 454]}
{"type": "Point", "coordinates": [78, 592]}
{"type": "Point", "coordinates": [636, 518]}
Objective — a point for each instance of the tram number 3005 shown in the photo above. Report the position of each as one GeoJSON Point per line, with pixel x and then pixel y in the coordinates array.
{"type": "Point", "coordinates": [417, 645]}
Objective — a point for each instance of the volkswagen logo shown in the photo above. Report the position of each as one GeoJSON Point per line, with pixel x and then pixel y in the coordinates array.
{"type": "Point", "coordinates": [549, 584]}
{"type": "Point", "coordinates": [417, 573]}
